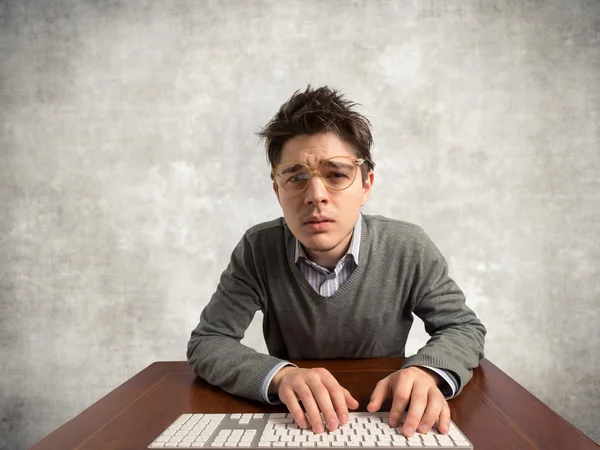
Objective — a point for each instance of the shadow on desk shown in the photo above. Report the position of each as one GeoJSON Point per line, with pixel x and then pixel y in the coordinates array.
{"type": "Point", "coordinates": [493, 410]}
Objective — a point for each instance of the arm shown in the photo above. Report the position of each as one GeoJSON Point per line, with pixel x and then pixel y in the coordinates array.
{"type": "Point", "coordinates": [456, 334]}
{"type": "Point", "coordinates": [216, 354]}
{"type": "Point", "coordinates": [454, 349]}
{"type": "Point", "coordinates": [214, 350]}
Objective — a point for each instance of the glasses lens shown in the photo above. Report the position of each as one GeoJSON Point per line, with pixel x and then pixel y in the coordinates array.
{"type": "Point", "coordinates": [292, 177]}
{"type": "Point", "coordinates": [338, 173]}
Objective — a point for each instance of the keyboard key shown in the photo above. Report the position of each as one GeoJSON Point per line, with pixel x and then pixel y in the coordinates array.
{"type": "Point", "coordinates": [281, 420]}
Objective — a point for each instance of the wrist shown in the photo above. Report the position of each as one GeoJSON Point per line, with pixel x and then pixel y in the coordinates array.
{"type": "Point", "coordinates": [276, 381]}
{"type": "Point", "coordinates": [434, 375]}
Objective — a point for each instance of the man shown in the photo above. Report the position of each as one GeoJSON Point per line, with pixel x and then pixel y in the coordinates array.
{"type": "Point", "coordinates": [334, 283]}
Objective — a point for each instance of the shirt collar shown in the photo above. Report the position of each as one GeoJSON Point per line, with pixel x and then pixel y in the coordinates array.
{"type": "Point", "coordinates": [352, 250]}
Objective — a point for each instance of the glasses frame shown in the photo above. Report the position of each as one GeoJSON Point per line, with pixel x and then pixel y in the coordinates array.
{"type": "Point", "coordinates": [357, 162]}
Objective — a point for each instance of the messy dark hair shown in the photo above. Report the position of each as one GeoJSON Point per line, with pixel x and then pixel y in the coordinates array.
{"type": "Point", "coordinates": [317, 111]}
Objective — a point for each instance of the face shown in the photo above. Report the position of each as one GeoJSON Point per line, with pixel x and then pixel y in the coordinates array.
{"type": "Point", "coordinates": [321, 219]}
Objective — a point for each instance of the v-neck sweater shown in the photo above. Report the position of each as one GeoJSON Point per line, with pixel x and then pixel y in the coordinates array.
{"type": "Point", "coordinates": [400, 273]}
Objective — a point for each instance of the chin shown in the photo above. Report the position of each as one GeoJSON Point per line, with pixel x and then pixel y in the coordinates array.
{"type": "Point", "coordinates": [318, 243]}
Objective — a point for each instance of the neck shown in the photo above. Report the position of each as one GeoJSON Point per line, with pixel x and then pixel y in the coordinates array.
{"type": "Point", "coordinates": [330, 258]}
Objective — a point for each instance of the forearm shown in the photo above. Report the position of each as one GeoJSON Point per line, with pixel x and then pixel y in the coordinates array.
{"type": "Point", "coordinates": [230, 365]}
{"type": "Point", "coordinates": [214, 349]}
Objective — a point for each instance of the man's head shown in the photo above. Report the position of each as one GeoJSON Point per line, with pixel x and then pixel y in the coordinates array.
{"type": "Point", "coordinates": [320, 197]}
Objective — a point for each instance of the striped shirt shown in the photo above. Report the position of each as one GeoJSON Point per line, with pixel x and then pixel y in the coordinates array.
{"type": "Point", "coordinates": [326, 282]}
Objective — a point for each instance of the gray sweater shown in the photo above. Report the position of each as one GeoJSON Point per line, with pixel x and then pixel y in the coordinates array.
{"type": "Point", "coordinates": [400, 272]}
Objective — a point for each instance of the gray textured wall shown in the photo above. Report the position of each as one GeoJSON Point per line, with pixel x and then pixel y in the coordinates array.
{"type": "Point", "coordinates": [129, 170]}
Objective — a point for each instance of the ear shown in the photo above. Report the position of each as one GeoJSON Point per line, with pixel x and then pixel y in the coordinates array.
{"type": "Point", "coordinates": [367, 186]}
{"type": "Point", "coordinates": [276, 190]}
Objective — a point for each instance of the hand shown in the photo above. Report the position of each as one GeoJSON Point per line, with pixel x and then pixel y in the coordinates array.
{"type": "Point", "coordinates": [318, 391]}
{"type": "Point", "coordinates": [427, 404]}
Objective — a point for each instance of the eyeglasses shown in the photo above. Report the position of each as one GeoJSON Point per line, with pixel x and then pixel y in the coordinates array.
{"type": "Point", "coordinates": [337, 173]}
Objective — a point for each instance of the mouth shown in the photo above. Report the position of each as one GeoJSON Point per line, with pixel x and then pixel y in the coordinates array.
{"type": "Point", "coordinates": [318, 220]}
{"type": "Point", "coordinates": [319, 223]}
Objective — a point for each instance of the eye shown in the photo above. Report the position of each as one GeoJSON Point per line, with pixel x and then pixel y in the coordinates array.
{"type": "Point", "coordinates": [337, 174]}
{"type": "Point", "coordinates": [297, 178]}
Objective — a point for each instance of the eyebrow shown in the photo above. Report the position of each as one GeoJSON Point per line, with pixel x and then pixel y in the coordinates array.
{"type": "Point", "coordinates": [294, 168]}
{"type": "Point", "coordinates": [334, 165]}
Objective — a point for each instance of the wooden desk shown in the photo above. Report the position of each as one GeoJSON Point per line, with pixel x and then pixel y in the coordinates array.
{"type": "Point", "coordinates": [493, 410]}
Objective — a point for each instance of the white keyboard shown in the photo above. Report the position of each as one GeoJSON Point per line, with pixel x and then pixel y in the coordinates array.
{"type": "Point", "coordinates": [363, 430]}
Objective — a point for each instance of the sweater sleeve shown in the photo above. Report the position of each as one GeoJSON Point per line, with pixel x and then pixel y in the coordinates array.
{"type": "Point", "coordinates": [214, 350]}
{"type": "Point", "coordinates": [456, 334]}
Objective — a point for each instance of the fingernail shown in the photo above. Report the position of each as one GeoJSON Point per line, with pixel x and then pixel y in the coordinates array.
{"type": "Point", "coordinates": [344, 418]}
{"type": "Point", "coordinates": [408, 431]}
{"type": "Point", "coordinates": [332, 424]}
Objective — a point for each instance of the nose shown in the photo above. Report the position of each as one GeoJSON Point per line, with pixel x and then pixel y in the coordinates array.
{"type": "Point", "coordinates": [316, 192]}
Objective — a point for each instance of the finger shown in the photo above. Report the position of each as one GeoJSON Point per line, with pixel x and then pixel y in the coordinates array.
{"type": "Point", "coordinates": [435, 402]}
{"type": "Point", "coordinates": [338, 400]}
{"type": "Point", "coordinates": [351, 403]}
{"type": "Point", "coordinates": [289, 399]}
{"type": "Point", "coordinates": [340, 397]}
{"type": "Point", "coordinates": [444, 423]}
{"type": "Point", "coordinates": [418, 403]}
{"type": "Point", "coordinates": [400, 398]}
{"type": "Point", "coordinates": [350, 400]}
{"type": "Point", "coordinates": [306, 396]}
{"type": "Point", "coordinates": [379, 395]}
{"type": "Point", "coordinates": [326, 390]}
